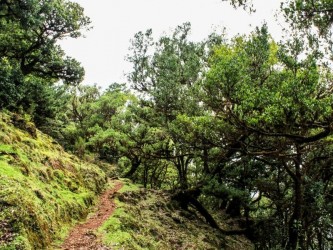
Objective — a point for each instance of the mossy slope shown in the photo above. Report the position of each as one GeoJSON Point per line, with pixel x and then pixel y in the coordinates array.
{"type": "Point", "coordinates": [43, 189]}
{"type": "Point", "coordinates": [149, 219]}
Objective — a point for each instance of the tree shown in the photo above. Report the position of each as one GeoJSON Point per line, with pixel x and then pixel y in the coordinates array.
{"type": "Point", "coordinates": [166, 79]}
{"type": "Point", "coordinates": [304, 14]}
{"type": "Point", "coordinates": [30, 31]}
{"type": "Point", "coordinates": [120, 134]}
{"type": "Point", "coordinates": [278, 107]}
{"type": "Point", "coordinates": [301, 15]}
{"type": "Point", "coordinates": [81, 116]}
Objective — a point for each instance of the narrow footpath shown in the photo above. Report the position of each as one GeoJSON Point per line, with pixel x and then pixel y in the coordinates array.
{"type": "Point", "coordinates": [83, 236]}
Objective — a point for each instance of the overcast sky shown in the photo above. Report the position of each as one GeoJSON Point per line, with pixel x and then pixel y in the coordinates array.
{"type": "Point", "coordinates": [115, 22]}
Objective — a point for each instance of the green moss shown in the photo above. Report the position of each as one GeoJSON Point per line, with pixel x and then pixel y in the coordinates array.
{"type": "Point", "coordinates": [114, 225]}
{"type": "Point", "coordinates": [43, 190]}
{"type": "Point", "coordinates": [129, 186]}
{"type": "Point", "coordinates": [9, 171]}
{"type": "Point", "coordinates": [123, 229]}
{"type": "Point", "coordinates": [20, 243]}
{"type": "Point", "coordinates": [116, 233]}
{"type": "Point", "coordinates": [147, 219]}
{"type": "Point", "coordinates": [36, 208]}
{"type": "Point", "coordinates": [6, 149]}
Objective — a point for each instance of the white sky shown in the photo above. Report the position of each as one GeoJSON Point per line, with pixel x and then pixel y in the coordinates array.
{"type": "Point", "coordinates": [115, 22]}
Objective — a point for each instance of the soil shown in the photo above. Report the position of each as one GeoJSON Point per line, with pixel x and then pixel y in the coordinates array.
{"type": "Point", "coordinates": [83, 236]}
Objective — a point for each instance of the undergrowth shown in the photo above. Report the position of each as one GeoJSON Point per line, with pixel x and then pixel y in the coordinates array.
{"type": "Point", "coordinates": [149, 219]}
{"type": "Point", "coordinates": [43, 189]}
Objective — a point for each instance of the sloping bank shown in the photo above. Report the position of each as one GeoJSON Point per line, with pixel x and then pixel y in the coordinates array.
{"type": "Point", "coordinates": [151, 219]}
{"type": "Point", "coordinates": [43, 189]}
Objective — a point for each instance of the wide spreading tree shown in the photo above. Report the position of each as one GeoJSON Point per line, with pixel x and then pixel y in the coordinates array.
{"type": "Point", "coordinates": [29, 49]}
{"type": "Point", "coordinates": [278, 102]}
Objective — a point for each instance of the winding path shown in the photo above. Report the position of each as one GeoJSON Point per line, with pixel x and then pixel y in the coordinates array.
{"type": "Point", "coordinates": [83, 236]}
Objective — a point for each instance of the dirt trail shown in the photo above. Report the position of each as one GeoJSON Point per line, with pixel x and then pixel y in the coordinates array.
{"type": "Point", "coordinates": [83, 237]}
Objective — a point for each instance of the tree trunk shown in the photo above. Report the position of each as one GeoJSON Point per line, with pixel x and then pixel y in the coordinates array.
{"type": "Point", "coordinates": [234, 207]}
{"type": "Point", "coordinates": [205, 161]}
{"type": "Point", "coordinates": [135, 165]}
{"type": "Point", "coordinates": [296, 240]}
{"type": "Point", "coordinates": [181, 165]}
{"type": "Point", "coordinates": [190, 197]}
{"type": "Point", "coordinates": [145, 176]}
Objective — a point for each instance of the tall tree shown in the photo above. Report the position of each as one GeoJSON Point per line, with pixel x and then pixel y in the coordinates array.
{"type": "Point", "coordinates": [279, 108]}
{"type": "Point", "coordinates": [165, 72]}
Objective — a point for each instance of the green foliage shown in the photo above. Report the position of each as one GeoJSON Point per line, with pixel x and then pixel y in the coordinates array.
{"type": "Point", "coordinates": [30, 30]}
{"type": "Point", "coordinates": [278, 103]}
{"type": "Point", "coordinates": [10, 76]}
{"type": "Point", "coordinates": [31, 61]}
{"type": "Point", "coordinates": [246, 4]}
{"type": "Point", "coordinates": [166, 72]}
{"type": "Point", "coordinates": [302, 15]}
{"type": "Point", "coordinates": [262, 96]}
{"type": "Point", "coordinates": [307, 14]}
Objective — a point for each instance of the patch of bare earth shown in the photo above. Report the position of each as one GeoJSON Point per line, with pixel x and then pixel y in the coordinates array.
{"type": "Point", "coordinates": [83, 236]}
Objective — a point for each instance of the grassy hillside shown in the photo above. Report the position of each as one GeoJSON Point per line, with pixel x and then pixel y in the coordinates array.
{"type": "Point", "coordinates": [149, 219]}
{"type": "Point", "coordinates": [43, 189]}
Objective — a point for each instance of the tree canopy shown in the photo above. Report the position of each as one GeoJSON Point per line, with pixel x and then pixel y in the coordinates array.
{"type": "Point", "coordinates": [241, 126]}
{"type": "Point", "coordinates": [29, 50]}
